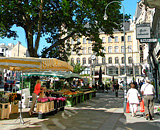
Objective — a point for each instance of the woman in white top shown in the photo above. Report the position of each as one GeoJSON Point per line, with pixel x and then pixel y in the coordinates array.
{"type": "Point", "coordinates": [133, 97]}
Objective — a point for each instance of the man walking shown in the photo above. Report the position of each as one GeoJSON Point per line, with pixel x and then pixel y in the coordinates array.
{"type": "Point", "coordinates": [148, 91]}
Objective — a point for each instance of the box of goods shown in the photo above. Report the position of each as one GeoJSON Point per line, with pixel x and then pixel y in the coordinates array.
{"type": "Point", "coordinates": [42, 107]}
{"type": "Point", "coordinates": [14, 107]}
{"type": "Point", "coordinates": [4, 110]}
{"type": "Point", "coordinates": [51, 106]}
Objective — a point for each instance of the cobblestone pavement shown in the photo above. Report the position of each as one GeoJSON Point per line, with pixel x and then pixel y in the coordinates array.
{"type": "Point", "coordinates": [103, 112]}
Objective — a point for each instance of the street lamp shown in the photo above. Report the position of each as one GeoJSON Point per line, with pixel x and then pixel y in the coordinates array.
{"type": "Point", "coordinates": [93, 57]}
{"type": "Point", "coordinates": [125, 72]}
{"type": "Point", "coordinates": [132, 62]}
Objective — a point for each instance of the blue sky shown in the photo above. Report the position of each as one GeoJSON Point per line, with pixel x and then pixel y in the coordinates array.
{"type": "Point", "coordinates": [129, 5]}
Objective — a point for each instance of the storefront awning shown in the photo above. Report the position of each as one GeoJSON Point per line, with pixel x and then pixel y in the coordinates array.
{"type": "Point", "coordinates": [29, 64]}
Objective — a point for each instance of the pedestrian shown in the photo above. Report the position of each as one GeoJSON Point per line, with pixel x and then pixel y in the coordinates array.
{"type": "Point", "coordinates": [36, 92]}
{"type": "Point", "coordinates": [148, 92]}
{"type": "Point", "coordinates": [133, 98]}
{"type": "Point", "coordinates": [116, 88]}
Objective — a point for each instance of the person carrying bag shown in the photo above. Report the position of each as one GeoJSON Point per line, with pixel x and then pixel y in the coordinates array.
{"type": "Point", "coordinates": [148, 91]}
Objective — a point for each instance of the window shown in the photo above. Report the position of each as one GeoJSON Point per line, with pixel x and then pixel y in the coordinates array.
{"type": "Point", "coordinates": [72, 61]}
{"type": "Point", "coordinates": [96, 60]}
{"type": "Point", "coordinates": [122, 71]}
{"type": "Point", "coordinates": [112, 70]}
{"type": "Point", "coordinates": [78, 60]}
{"type": "Point", "coordinates": [129, 38]}
{"type": "Point", "coordinates": [116, 49]}
{"type": "Point", "coordinates": [84, 40]}
{"type": "Point", "coordinates": [104, 50]}
{"type": "Point", "coordinates": [89, 50]}
{"type": "Point", "coordinates": [2, 50]}
{"type": "Point", "coordinates": [89, 41]}
{"type": "Point", "coordinates": [72, 41]}
{"type": "Point", "coordinates": [89, 61]}
{"type": "Point", "coordinates": [103, 40]}
{"type": "Point", "coordinates": [103, 60]}
{"type": "Point", "coordinates": [122, 49]}
{"type": "Point", "coordinates": [110, 60]}
{"type": "Point", "coordinates": [109, 39]}
{"type": "Point", "coordinates": [116, 60]}
{"type": "Point", "coordinates": [72, 52]}
{"type": "Point", "coordinates": [116, 39]}
{"type": "Point", "coordinates": [129, 48]}
{"type": "Point", "coordinates": [78, 40]}
{"type": "Point", "coordinates": [129, 60]}
{"type": "Point", "coordinates": [84, 50]}
{"type": "Point", "coordinates": [122, 38]}
{"type": "Point", "coordinates": [122, 60]}
{"type": "Point", "coordinates": [84, 61]}
{"type": "Point", "coordinates": [109, 49]}
{"type": "Point", "coordinates": [130, 70]}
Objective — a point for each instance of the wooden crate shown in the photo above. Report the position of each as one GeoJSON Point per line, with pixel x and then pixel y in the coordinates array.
{"type": "Point", "coordinates": [51, 106]}
{"type": "Point", "coordinates": [4, 110]}
{"type": "Point", "coordinates": [47, 106]}
{"type": "Point", "coordinates": [42, 107]}
{"type": "Point", "coordinates": [14, 108]}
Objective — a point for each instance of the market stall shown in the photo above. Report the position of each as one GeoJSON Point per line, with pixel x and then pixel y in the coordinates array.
{"type": "Point", "coordinates": [29, 64]}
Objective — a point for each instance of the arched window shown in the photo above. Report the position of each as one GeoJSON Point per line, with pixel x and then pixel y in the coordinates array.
{"type": "Point", "coordinates": [109, 39]}
{"type": "Point", "coordinates": [122, 49]}
{"type": "Point", "coordinates": [103, 60]}
{"type": "Point", "coordinates": [96, 60]}
{"type": "Point", "coordinates": [110, 60]}
{"type": "Point", "coordinates": [129, 60]}
{"type": "Point", "coordinates": [84, 61]}
{"type": "Point", "coordinates": [116, 49]}
{"type": "Point", "coordinates": [109, 49]}
{"type": "Point", "coordinates": [84, 50]}
{"type": "Point", "coordinates": [78, 60]}
{"type": "Point", "coordinates": [122, 60]}
{"type": "Point", "coordinates": [89, 61]}
{"type": "Point", "coordinates": [116, 60]}
{"type": "Point", "coordinates": [129, 48]}
{"type": "Point", "coordinates": [104, 50]}
{"type": "Point", "coordinates": [90, 50]}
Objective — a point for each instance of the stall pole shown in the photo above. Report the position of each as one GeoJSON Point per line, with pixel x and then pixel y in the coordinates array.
{"type": "Point", "coordinates": [20, 116]}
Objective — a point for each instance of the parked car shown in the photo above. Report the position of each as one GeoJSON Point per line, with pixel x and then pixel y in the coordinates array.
{"type": "Point", "coordinates": [8, 85]}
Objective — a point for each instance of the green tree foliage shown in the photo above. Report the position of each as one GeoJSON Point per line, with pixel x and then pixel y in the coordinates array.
{"type": "Point", "coordinates": [77, 68]}
{"type": "Point", "coordinates": [57, 21]}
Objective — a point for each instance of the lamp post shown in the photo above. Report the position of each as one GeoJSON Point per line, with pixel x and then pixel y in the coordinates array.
{"type": "Point", "coordinates": [93, 57]}
{"type": "Point", "coordinates": [125, 72]}
{"type": "Point", "coordinates": [132, 63]}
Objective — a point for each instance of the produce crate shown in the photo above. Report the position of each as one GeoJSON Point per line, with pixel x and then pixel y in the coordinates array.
{"type": "Point", "coordinates": [14, 108]}
{"type": "Point", "coordinates": [4, 110]}
{"type": "Point", "coordinates": [42, 107]}
{"type": "Point", "coordinates": [51, 106]}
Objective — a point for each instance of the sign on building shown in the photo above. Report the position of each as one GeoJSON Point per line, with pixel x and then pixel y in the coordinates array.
{"type": "Point", "coordinates": [152, 40]}
{"type": "Point", "coordinates": [143, 31]}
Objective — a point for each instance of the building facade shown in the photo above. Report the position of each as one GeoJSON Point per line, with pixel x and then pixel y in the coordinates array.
{"type": "Point", "coordinates": [154, 48]}
{"type": "Point", "coordinates": [112, 63]}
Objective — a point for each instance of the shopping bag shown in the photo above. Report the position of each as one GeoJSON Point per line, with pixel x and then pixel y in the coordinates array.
{"type": "Point", "coordinates": [142, 106]}
{"type": "Point", "coordinates": [127, 108]}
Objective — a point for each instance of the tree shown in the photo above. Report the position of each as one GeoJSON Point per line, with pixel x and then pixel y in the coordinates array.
{"type": "Point", "coordinates": [77, 68]}
{"type": "Point", "coordinates": [58, 20]}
